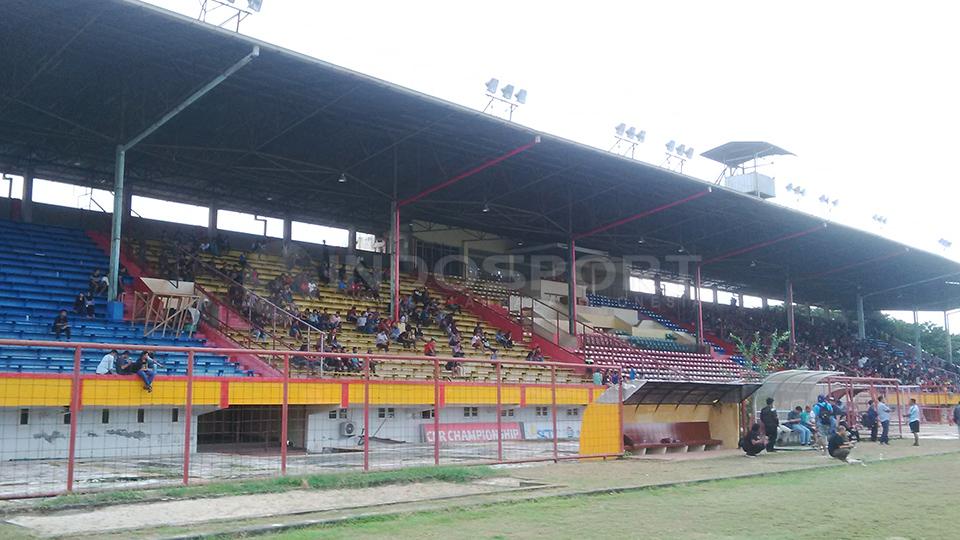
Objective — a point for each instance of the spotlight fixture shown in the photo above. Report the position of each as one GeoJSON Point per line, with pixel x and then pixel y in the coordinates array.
{"type": "Point", "coordinates": [627, 139]}
{"type": "Point", "coordinates": [753, 264]}
{"type": "Point", "coordinates": [945, 243]}
{"type": "Point", "coordinates": [511, 97]}
{"type": "Point", "coordinates": [824, 199]}
{"type": "Point", "coordinates": [681, 250]}
{"type": "Point", "coordinates": [620, 129]}
{"type": "Point", "coordinates": [343, 178]}
{"type": "Point", "coordinates": [486, 208]}
{"type": "Point", "coordinates": [789, 187]}
{"type": "Point", "coordinates": [641, 240]}
{"type": "Point", "coordinates": [671, 146]}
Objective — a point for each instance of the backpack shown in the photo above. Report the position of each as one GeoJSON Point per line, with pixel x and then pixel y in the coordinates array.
{"type": "Point", "coordinates": [824, 414]}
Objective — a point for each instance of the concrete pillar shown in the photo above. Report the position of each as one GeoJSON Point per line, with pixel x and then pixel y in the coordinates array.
{"type": "Point", "coordinates": [916, 332]}
{"type": "Point", "coordinates": [287, 230]}
{"type": "Point", "coordinates": [861, 322]}
{"type": "Point", "coordinates": [593, 278]}
{"type": "Point", "coordinates": [946, 328]}
{"type": "Point", "coordinates": [352, 241]}
{"type": "Point", "coordinates": [763, 301]}
{"type": "Point", "coordinates": [212, 222]}
{"type": "Point", "coordinates": [572, 288]}
{"type": "Point", "coordinates": [791, 321]}
{"type": "Point", "coordinates": [465, 252]}
{"type": "Point", "coordinates": [740, 299]}
{"type": "Point", "coordinates": [656, 285]}
{"type": "Point", "coordinates": [26, 205]}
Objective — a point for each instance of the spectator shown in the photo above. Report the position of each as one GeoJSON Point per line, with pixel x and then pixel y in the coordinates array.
{"type": "Point", "coordinates": [300, 361]}
{"type": "Point", "coordinates": [79, 303]}
{"type": "Point", "coordinates": [454, 367]}
{"type": "Point", "coordinates": [768, 416]}
{"type": "Point", "coordinates": [504, 338]}
{"type": "Point", "coordinates": [382, 342]}
{"type": "Point", "coordinates": [597, 378]}
{"type": "Point", "coordinates": [795, 423]}
{"type": "Point", "coordinates": [838, 447]}
{"type": "Point", "coordinates": [883, 415]}
{"type": "Point", "coordinates": [108, 364]}
{"type": "Point", "coordinates": [914, 418]}
{"type": "Point", "coordinates": [458, 350]}
{"type": "Point", "coordinates": [61, 325]}
{"type": "Point", "coordinates": [89, 307]}
{"type": "Point", "coordinates": [870, 420]}
{"type": "Point", "coordinates": [823, 413]}
{"type": "Point", "coordinates": [430, 349]}
{"type": "Point", "coordinates": [754, 441]}
{"type": "Point", "coordinates": [535, 355]}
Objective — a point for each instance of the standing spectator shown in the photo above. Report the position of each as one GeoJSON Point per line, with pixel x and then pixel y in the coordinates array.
{"type": "Point", "coordinates": [914, 418]}
{"type": "Point", "coordinates": [823, 413]}
{"type": "Point", "coordinates": [90, 307]}
{"type": "Point", "coordinates": [883, 415]}
{"type": "Point", "coordinates": [870, 420]}
{"type": "Point", "coordinates": [108, 364]}
{"type": "Point", "coordinates": [768, 416]}
{"type": "Point", "coordinates": [79, 303]}
{"type": "Point", "coordinates": [753, 442]}
{"type": "Point", "coordinates": [795, 423]}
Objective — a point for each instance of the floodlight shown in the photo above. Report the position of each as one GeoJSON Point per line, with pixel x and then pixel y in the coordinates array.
{"type": "Point", "coordinates": [343, 178]}
{"type": "Point", "coordinates": [671, 145]}
{"type": "Point", "coordinates": [255, 5]}
{"type": "Point", "coordinates": [681, 150]}
{"type": "Point", "coordinates": [492, 85]}
{"type": "Point", "coordinates": [522, 96]}
{"type": "Point", "coordinates": [641, 240]}
{"type": "Point", "coordinates": [753, 264]}
{"type": "Point", "coordinates": [681, 250]}
{"type": "Point", "coordinates": [620, 129]}
{"type": "Point", "coordinates": [486, 208]}
{"type": "Point", "coordinates": [642, 136]}
{"type": "Point", "coordinates": [507, 91]}
{"type": "Point", "coordinates": [835, 202]}
{"type": "Point", "coordinates": [945, 243]}
{"type": "Point", "coordinates": [824, 199]}
{"type": "Point", "coordinates": [789, 187]}
{"type": "Point", "coordinates": [689, 153]}
{"type": "Point", "coordinates": [800, 191]}
{"type": "Point", "coordinates": [632, 132]}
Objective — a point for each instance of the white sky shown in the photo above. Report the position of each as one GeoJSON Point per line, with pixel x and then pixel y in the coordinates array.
{"type": "Point", "coordinates": [864, 93]}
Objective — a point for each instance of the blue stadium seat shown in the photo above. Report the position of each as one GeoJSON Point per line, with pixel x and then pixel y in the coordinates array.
{"type": "Point", "coordinates": [42, 269]}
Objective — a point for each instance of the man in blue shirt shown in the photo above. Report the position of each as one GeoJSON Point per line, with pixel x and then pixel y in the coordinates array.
{"type": "Point", "coordinates": [883, 415]}
{"type": "Point", "coordinates": [914, 417]}
{"type": "Point", "coordinates": [823, 416]}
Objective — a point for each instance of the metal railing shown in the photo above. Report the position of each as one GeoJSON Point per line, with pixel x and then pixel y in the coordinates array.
{"type": "Point", "coordinates": [158, 452]}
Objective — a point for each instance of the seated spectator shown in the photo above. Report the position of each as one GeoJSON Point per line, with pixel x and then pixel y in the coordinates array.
{"type": "Point", "coordinates": [372, 362]}
{"type": "Point", "coordinates": [754, 441]}
{"type": "Point", "coordinates": [352, 315]}
{"type": "Point", "coordinates": [295, 331]}
{"type": "Point", "coordinates": [430, 349]}
{"type": "Point", "coordinates": [839, 447]}
{"type": "Point", "coordinates": [95, 283]}
{"type": "Point", "coordinates": [452, 306]}
{"type": "Point", "coordinates": [454, 367]}
{"type": "Point", "coordinates": [504, 338]}
{"type": "Point", "coordinates": [382, 342]}
{"type": "Point", "coordinates": [478, 329]}
{"type": "Point", "coordinates": [300, 361]}
{"type": "Point", "coordinates": [597, 377]}
{"type": "Point", "coordinates": [354, 361]}
{"type": "Point", "coordinates": [61, 325]}
{"type": "Point", "coordinates": [89, 307]}
{"type": "Point", "coordinates": [79, 304]}
{"type": "Point", "coordinates": [458, 350]}
{"type": "Point", "coordinates": [362, 322]}
{"type": "Point", "coordinates": [795, 423]}
{"type": "Point", "coordinates": [144, 367]}
{"type": "Point", "coordinates": [418, 334]}
{"type": "Point", "coordinates": [406, 341]}
{"type": "Point", "coordinates": [535, 355]}
{"type": "Point", "coordinates": [394, 332]}
{"type": "Point", "coordinates": [108, 364]}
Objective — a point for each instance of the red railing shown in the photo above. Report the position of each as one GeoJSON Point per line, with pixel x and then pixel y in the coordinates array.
{"type": "Point", "coordinates": [433, 396]}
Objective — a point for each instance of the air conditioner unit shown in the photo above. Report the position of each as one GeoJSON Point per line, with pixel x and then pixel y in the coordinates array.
{"type": "Point", "coordinates": [348, 429]}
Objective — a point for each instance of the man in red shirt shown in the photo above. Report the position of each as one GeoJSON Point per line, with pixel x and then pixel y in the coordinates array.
{"type": "Point", "coordinates": [430, 349]}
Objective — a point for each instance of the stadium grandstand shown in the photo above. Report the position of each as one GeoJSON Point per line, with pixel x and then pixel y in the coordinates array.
{"type": "Point", "coordinates": [482, 309]}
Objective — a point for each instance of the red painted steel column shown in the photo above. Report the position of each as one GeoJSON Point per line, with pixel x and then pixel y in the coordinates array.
{"type": "Point", "coordinates": [699, 311]}
{"type": "Point", "coordinates": [620, 406]}
{"type": "Point", "coordinates": [188, 417]}
{"type": "Point", "coordinates": [572, 293]}
{"type": "Point", "coordinates": [436, 411]}
{"type": "Point", "coordinates": [285, 414]}
{"type": "Point", "coordinates": [499, 413]}
{"type": "Point", "coordinates": [553, 396]}
{"type": "Point", "coordinates": [74, 412]}
{"type": "Point", "coordinates": [899, 411]}
{"type": "Point", "coordinates": [366, 414]}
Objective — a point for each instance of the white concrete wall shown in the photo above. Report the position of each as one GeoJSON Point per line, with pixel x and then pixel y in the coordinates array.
{"type": "Point", "coordinates": [406, 425]}
{"type": "Point", "coordinates": [46, 436]}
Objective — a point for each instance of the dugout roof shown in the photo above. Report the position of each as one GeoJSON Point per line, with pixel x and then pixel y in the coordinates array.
{"type": "Point", "coordinates": [82, 76]}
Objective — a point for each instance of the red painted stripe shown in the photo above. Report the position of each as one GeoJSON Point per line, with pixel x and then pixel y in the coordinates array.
{"type": "Point", "coordinates": [224, 394]}
{"type": "Point", "coordinates": [523, 396]}
{"type": "Point", "coordinates": [344, 395]}
{"type": "Point", "coordinates": [443, 395]}
{"type": "Point", "coordinates": [80, 395]}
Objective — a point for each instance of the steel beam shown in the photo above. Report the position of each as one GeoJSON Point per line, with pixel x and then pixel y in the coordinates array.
{"type": "Point", "coordinates": [763, 244]}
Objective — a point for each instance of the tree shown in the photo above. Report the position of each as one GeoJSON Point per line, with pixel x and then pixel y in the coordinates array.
{"type": "Point", "coordinates": [764, 361]}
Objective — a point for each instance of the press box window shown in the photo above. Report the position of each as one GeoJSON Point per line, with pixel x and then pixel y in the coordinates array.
{"type": "Point", "coordinates": [543, 411]}
{"type": "Point", "coordinates": [507, 412]}
{"type": "Point", "coordinates": [470, 412]}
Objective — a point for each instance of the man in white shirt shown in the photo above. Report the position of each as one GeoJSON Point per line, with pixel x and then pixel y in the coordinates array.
{"type": "Point", "coordinates": [914, 417]}
{"type": "Point", "coordinates": [108, 364]}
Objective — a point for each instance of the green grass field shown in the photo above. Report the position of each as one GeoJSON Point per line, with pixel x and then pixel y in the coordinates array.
{"type": "Point", "coordinates": [906, 498]}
